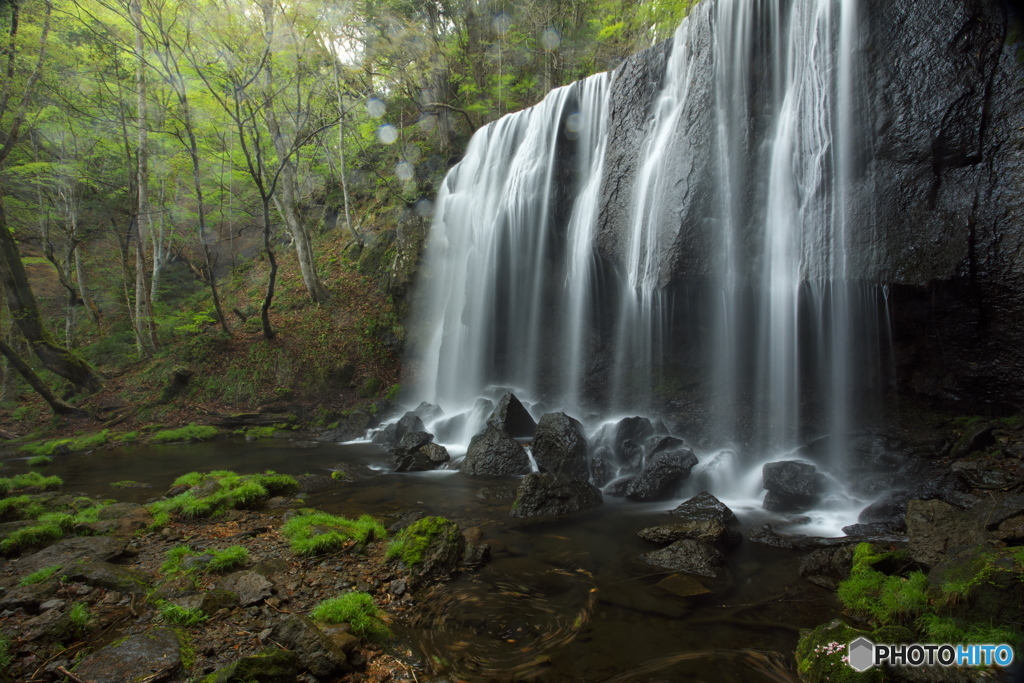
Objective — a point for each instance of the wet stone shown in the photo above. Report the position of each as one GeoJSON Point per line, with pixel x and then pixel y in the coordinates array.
{"type": "Point", "coordinates": [250, 586]}
{"type": "Point", "coordinates": [705, 530]}
{"type": "Point", "coordinates": [704, 506]}
{"type": "Point", "coordinates": [153, 653]}
{"type": "Point", "coordinates": [690, 557]}
{"type": "Point", "coordinates": [553, 494]}
{"type": "Point", "coordinates": [73, 550]}
{"type": "Point", "coordinates": [765, 535]}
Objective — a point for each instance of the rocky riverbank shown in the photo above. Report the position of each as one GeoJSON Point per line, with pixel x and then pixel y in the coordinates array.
{"type": "Point", "coordinates": [120, 596]}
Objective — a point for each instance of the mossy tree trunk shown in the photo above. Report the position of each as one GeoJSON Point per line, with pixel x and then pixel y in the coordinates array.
{"type": "Point", "coordinates": [36, 382]}
{"type": "Point", "coordinates": [26, 315]}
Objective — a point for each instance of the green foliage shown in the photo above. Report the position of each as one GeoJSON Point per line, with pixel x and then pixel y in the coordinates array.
{"type": "Point", "coordinates": [20, 507]}
{"type": "Point", "coordinates": [23, 481]}
{"type": "Point", "coordinates": [28, 537]}
{"type": "Point", "coordinates": [189, 479]}
{"type": "Point", "coordinates": [318, 532]}
{"type": "Point", "coordinates": [885, 599]}
{"type": "Point", "coordinates": [76, 443]}
{"type": "Point", "coordinates": [192, 432]}
{"type": "Point", "coordinates": [114, 350]}
{"type": "Point", "coordinates": [940, 629]}
{"type": "Point", "coordinates": [176, 614]}
{"type": "Point", "coordinates": [79, 616]}
{"type": "Point", "coordinates": [232, 490]}
{"type": "Point", "coordinates": [127, 484]}
{"type": "Point", "coordinates": [356, 609]}
{"type": "Point", "coordinates": [411, 542]}
{"type": "Point", "coordinates": [393, 392]}
{"type": "Point", "coordinates": [370, 387]}
{"type": "Point", "coordinates": [228, 559]}
{"type": "Point", "coordinates": [39, 576]}
{"type": "Point", "coordinates": [39, 461]}
{"type": "Point", "coordinates": [6, 652]}
{"type": "Point", "coordinates": [174, 557]}
{"type": "Point", "coordinates": [820, 652]}
{"type": "Point", "coordinates": [218, 560]}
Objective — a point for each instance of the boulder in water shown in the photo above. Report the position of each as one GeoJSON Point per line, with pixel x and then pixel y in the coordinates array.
{"type": "Point", "coordinates": [704, 506]}
{"type": "Point", "coordinates": [427, 457]}
{"type": "Point", "coordinates": [512, 417]}
{"type": "Point", "coordinates": [392, 434]}
{"type": "Point", "coordinates": [662, 475]}
{"type": "Point", "coordinates": [427, 412]}
{"type": "Point", "coordinates": [765, 535]}
{"type": "Point", "coordinates": [792, 486]}
{"type": "Point", "coordinates": [634, 430]}
{"type": "Point", "coordinates": [410, 443]}
{"type": "Point", "coordinates": [553, 494]}
{"type": "Point", "coordinates": [660, 443]}
{"type": "Point", "coordinates": [706, 531]}
{"type": "Point", "coordinates": [494, 451]}
{"type": "Point", "coordinates": [601, 470]}
{"type": "Point", "coordinates": [560, 446]}
{"type": "Point", "coordinates": [690, 557]}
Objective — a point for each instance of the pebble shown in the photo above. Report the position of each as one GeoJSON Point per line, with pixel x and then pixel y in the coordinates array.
{"type": "Point", "coordinates": [265, 633]}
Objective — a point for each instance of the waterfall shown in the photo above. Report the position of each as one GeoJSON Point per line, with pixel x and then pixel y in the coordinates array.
{"type": "Point", "coordinates": [509, 262]}
{"type": "Point", "coordinates": [751, 143]}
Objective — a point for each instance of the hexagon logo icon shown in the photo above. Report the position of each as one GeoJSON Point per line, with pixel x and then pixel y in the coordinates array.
{"type": "Point", "coordinates": [861, 654]}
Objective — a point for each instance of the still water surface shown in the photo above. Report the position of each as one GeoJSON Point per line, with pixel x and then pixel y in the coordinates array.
{"type": "Point", "coordinates": [562, 600]}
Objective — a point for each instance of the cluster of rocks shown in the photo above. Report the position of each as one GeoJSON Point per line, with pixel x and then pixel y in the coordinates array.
{"type": "Point", "coordinates": [410, 445]}
{"type": "Point", "coordinates": [244, 617]}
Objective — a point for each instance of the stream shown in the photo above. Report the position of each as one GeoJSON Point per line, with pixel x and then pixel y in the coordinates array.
{"type": "Point", "coordinates": [563, 599]}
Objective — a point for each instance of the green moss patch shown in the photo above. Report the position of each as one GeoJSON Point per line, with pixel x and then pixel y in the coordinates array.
{"type": "Point", "coordinates": [220, 490]}
{"type": "Point", "coordinates": [86, 442]}
{"type": "Point", "coordinates": [821, 653]}
{"type": "Point", "coordinates": [225, 560]}
{"type": "Point", "coordinates": [412, 542]}
{"type": "Point", "coordinates": [192, 432]}
{"type": "Point", "coordinates": [318, 532]}
{"type": "Point", "coordinates": [27, 480]}
{"type": "Point", "coordinates": [52, 526]}
{"type": "Point", "coordinates": [20, 507]}
{"type": "Point", "coordinates": [356, 609]}
{"type": "Point", "coordinates": [180, 616]}
{"type": "Point", "coordinates": [39, 576]}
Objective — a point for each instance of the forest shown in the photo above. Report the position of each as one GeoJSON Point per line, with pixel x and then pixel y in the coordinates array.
{"type": "Point", "coordinates": [183, 183]}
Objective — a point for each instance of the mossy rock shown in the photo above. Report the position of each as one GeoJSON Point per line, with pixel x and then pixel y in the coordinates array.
{"type": "Point", "coordinates": [279, 666]}
{"type": "Point", "coordinates": [431, 548]}
{"type": "Point", "coordinates": [820, 652]}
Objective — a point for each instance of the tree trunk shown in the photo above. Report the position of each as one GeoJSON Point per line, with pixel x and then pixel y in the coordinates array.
{"type": "Point", "coordinates": [145, 332]}
{"type": "Point", "coordinates": [90, 306]}
{"type": "Point", "coordinates": [268, 331]}
{"type": "Point", "coordinates": [58, 406]}
{"type": "Point", "coordinates": [25, 311]}
{"type": "Point", "coordinates": [285, 202]}
{"type": "Point", "coordinates": [341, 152]}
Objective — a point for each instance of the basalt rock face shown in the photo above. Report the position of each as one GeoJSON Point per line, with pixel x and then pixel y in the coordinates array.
{"type": "Point", "coordinates": [949, 159]}
{"type": "Point", "coordinates": [935, 196]}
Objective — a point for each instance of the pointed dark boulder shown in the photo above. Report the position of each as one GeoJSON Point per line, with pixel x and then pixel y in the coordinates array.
{"type": "Point", "coordinates": [493, 451]}
{"type": "Point", "coordinates": [560, 446]}
{"type": "Point", "coordinates": [704, 506]}
{"type": "Point", "coordinates": [510, 416]}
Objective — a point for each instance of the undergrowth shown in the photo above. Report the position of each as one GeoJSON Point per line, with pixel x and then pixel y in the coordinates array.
{"type": "Point", "coordinates": [356, 609]}
{"type": "Point", "coordinates": [318, 532]}
{"type": "Point", "coordinates": [223, 490]}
